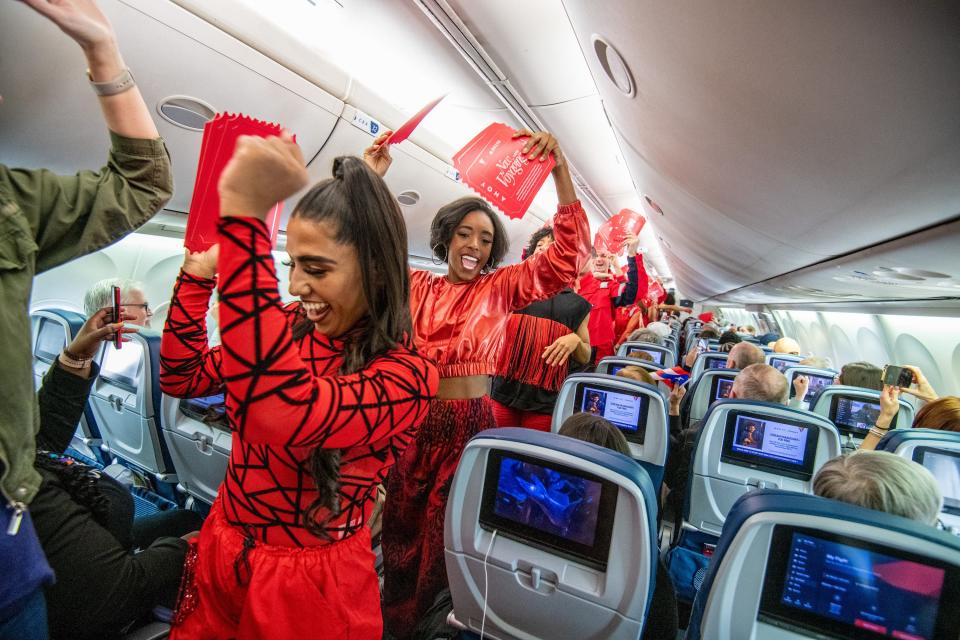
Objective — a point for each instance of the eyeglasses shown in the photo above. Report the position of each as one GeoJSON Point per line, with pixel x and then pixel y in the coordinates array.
{"type": "Point", "coordinates": [145, 305]}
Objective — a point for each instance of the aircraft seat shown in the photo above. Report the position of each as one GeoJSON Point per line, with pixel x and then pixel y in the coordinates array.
{"type": "Point", "coordinates": [637, 409]}
{"type": "Point", "coordinates": [569, 551]}
{"type": "Point", "coordinates": [790, 566]}
{"type": "Point", "coordinates": [200, 451]}
{"type": "Point", "coordinates": [708, 360]}
{"type": "Point", "coordinates": [854, 410]}
{"type": "Point", "coordinates": [939, 452]}
{"type": "Point", "coordinates": [780, 361]}
{"type": "Point", "coordinates": [126, 402]}
{"type": "Point", "coordinates": [712, 385]}
{"type": "Point", "coordinates": [743, 445]}
{"type": "Point", "coordinates": [663, 356]}
{"type": "Point", "coordinates": [53, 329]}
{"type": "Point", "coordinates": [612, 364]}
{"type": "Point", "coordinates": [819, 378]}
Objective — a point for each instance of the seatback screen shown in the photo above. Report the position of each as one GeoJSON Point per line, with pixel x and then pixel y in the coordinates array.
{"type": "Point", "coordinates": [854, 416]}
{"type": "Point", "coordinates": [816, 384]}
{"type": "Point", "coordinates": [716, 363]}
{"type": "Point", "coordinates": [778, 445]}
{"type": "Point", "coordinates": [549, 505]}
{"type": "Point", "coordinates": [122, 366]}
{"type": "Point", "coordinates": [945, 467]}
{"type": "Point", "coordinates": [624, 409]}
{"type": "Point", "coordinates": [720, 388]}
{"type": "Point", "coordinates": [51, 340]}
{"type": "Point", "coordinates": [781, 364]}
{"type": "Point", "coordinates": [656, 356]}
{"type": "Point", "coordinates": [848, 588]}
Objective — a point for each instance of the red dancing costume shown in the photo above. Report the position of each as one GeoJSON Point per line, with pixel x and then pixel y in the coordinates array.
{"type": "Point", "coordinates": [258, 572]}
{"type": "Point", "coordinates": [605, 296]}
{"type": "Point", "coordinates": [462, 327]}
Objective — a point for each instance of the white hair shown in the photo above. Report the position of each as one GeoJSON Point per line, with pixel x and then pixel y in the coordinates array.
{"type": "Point", "coordinates": [100, 295]}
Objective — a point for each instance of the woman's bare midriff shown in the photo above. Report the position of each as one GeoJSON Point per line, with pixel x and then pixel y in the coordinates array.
{"type": "Point", "coordinates": [463, 387]}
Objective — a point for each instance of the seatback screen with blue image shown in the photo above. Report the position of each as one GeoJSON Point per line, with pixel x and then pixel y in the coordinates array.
{"type": "Point", "coordinates": [853, 415]}
{"type": "Point", "coordinates": [816, 384]}
{"type": "Point", "coordinates": [781, 364]}
{"type": "Point", "coordinates": [657, 356]}
{"type": "Point", "coordinates": [626, 411]}
{"type": "Point", "coordinates": [721, 389]}
{"type": "Point", "coordinates": [780, 445]}
{"type": "Point", "coordinates": [716, 363]}
{"type": "Point", "coordinates": [855, 589]}
{"type": "Point", "coordinates": [549, 505]}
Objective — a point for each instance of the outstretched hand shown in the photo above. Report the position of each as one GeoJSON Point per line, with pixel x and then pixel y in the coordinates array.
{"type": "Point", "coordinates": [559, 352]}
{"type": "Point", "coordinates": [201, 264]}
{"type": "Point", "coordinates": [540, 145]}
{"type": "Point", "coordinates": [924, 389]}
{"type": "Point", "coordinates": [377, 155]}
{"type": "Point", "coordinates": [801, 384]}
{"type": "Point", "coordinates": [82, 20]}
{"type": "Point", "coordinates": [95, 330]}
{"type": "Point", "coordinates": [261, 173]}
{"type": "Point", "coordinates": [632, 243]}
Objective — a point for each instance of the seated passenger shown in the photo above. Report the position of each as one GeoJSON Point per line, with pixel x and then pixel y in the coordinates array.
{"type": "Point", "coordinates": [132, 300]}
{"type": "Point", "coordinates": [882, 481]}
{"type": "Point", "coordinates": [816, 362]}
{"type": "Point", "coordinates": [662, 621]}
{"type": "Point", "coordinates": [861, 374]}
{"type": "Point", "coordinates": [661, 329]}
{"type": "Point", "coordinates": [85, 519]}
{"type": "Point", "coordinates": [646, 335]}
{"type": "Point", "coordinates": [743, 355]}
{"type": "Point", "coordinates": [747, 330]}
{"type": "Point", "coordinates": [938, 413]}
{"type": "Point", "coordinates": [786, 345]}
{"type": "Point", "coordinates": [638, 373]}
{"type": "Point", "coordinates": [759, 382]}
{"type": "Point", "coordinates": [729, 338]}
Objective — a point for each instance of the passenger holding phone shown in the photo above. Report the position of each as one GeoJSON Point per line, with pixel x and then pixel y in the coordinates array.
{"type": "Point", "coordinates": [905, 377]}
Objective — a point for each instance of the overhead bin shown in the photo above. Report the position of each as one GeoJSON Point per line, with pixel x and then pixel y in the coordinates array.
{"type": "Point", "coordinates": [51, 118]}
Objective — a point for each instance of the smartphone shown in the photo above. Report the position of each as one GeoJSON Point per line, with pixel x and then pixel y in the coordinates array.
{"type": "Point", "coordinates": [117, 337]}
{"type": "Point", "coordinates": [701, 346]}
{"type": "Point", "coordinates": [897, 376]}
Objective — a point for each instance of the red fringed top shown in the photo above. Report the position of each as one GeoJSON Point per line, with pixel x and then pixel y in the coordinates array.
{"type": "Point", "coordinates": [461, 326]}
{"type": "Point", "coordinates": [285, 397]}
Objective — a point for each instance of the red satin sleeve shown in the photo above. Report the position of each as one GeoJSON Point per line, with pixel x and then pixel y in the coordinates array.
{"type": "Point", "coordinates": [544, 274]}
{"type": "Point", "coordinates": [273, 397]}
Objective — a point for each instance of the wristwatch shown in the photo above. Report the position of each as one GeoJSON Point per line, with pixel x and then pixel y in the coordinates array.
{"type": "Point", "coordinates": [123, 82]}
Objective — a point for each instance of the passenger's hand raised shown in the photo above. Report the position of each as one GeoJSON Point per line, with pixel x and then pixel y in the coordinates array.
{"type": "Point", "coordinates": [800, 385]}
{"type": "Point", "coordinates": [924, 389]}
{"type": "Point", "coordinates": [95, 330]}
{"type": "Point", "coordinates": [377, 155]}
{"type": "Point", "coordinates": [201, 264]}
{"type": "Point", "coordinates": [632, 243]}
{"type": "Point", "coordinates": [82, 20]}
{"type": "Point", "coordinates": [540, 145]}
{"type": "Point", "coordinates": [676, 395]}
{"type": "Point", "coordinates": [261, 173]}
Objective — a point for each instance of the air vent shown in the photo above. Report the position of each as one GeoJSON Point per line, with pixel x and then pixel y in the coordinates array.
{"type": "Point", "coordinates": [653, 205]}
{"type": "Point", "coordinates": [614, 66]}
{"type": "Point", "coordinates": [408, 198]}
{"type": "Point", "coordinates": [920, 273]}
{"type": "Point", "coordinates": [186, 112]}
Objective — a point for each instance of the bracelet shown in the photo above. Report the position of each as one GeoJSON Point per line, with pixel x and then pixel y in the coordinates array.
{"type": "Point", "coordinates": [877, 431]}
{"type": "Point", "coordinates": [123, 82]}
{"type": "Point", "coordinates": [74, 362]}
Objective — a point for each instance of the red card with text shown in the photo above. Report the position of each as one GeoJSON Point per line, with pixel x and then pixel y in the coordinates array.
{"type": "Point", "coordinates": [655, 292]}
{"type": "Point", "coordinates": [403, 131]}
{"type": "Point", "coordinates": [492, 165]}
{"type": "Point", "coordinates": [613, 232]}
{"type": "Point", "coordinates": [219, 141]}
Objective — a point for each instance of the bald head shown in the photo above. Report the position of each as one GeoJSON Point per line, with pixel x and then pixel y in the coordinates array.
{"type": "Point", "coordinates": [744, 354]}
{"type": "Point", "coordinates": [787, 345]}
{"type": "Point", "coordinates": [760, 382]}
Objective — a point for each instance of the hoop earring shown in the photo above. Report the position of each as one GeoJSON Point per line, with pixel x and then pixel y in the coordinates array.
{"type": "Point", "coordinates": [435, 256]}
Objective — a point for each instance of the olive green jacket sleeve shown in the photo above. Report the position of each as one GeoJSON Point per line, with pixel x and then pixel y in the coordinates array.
{"type": "Point", "coordinates": [45, 221]}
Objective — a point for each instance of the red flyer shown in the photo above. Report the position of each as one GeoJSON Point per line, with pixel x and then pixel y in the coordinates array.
{"type": "Point", "coordinates": [492, 165]}
{"type": "Point", "coordinates": [219, 141]}
{"type": "Point", "coordinates": [655, 292]}
{"type": "Point", "coordinates": [403, 131]}
{"type": "Point", "coordinates": [613, 232]}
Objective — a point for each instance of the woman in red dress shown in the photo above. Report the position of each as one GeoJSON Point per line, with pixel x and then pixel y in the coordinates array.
{"type": "Point", "coordinates": [459, 321]}
{"type": "Point", "coordinates": [321, 395]}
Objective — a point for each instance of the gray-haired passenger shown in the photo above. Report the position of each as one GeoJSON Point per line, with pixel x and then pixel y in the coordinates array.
{"type": "Point", "coordinates": [132, 299]}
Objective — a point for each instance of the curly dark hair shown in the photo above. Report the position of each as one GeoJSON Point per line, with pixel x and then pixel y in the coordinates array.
{"type": "Point", "coordinates": [538, 235]}
{"type": "Point", "coordinates": [450, 216]}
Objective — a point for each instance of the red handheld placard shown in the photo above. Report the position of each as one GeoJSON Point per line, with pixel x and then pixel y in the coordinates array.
{"type": "Point", "coordinates": [219, 141]}
{"type": "Point", "coordinates": [613, 232]}
{"type": "Point", "coordinates": [492, 165]}
{"type": "Point", "coordinates": [403, 131]}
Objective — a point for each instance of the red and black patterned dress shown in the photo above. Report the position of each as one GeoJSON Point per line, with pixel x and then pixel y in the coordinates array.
{"type": "Point", "coordinates": [462, 327]}
{"type": "Point", "coordinates": [259, 572]}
